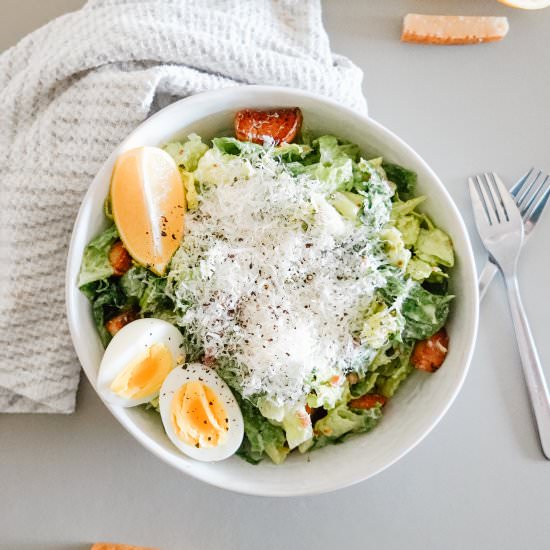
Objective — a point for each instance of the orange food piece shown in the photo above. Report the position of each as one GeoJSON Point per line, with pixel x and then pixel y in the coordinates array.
{"type": "Point", "coordinates": [148, 205]}
{"type": "Point", "coordinates": [428, 355]}
{"type": "Point", "coordinates": [119, 259]}
{"type": "Point", "coordinates": [368, 401]}
{"type": "Point", "coordinates": [113, 546]}
{"type": "Point", "coordinates": [122, 319]}
{"type": "Point", "coordinates": [526, 4]}
{"type": "Point", "coordinates": [281, 125]}
{"type": "Point", "coordinates": [453, 29]}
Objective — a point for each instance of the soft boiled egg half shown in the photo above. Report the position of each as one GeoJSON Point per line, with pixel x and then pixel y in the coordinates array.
{"type": "Point", "coordinates": [200, 414]}
{"type": "Point", "coordinates": [137, 360]}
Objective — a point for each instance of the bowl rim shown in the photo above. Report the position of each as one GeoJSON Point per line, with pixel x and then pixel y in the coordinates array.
{"type": "Point", "coordinates": [467, 261]}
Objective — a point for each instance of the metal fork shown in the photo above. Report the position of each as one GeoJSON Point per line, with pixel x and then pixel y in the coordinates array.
{"type": "Point", "coordinates": [501, 229]}
{"type": "Point", "coordinates": [531, 194]}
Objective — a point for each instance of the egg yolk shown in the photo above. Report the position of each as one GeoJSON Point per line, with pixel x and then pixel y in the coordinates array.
{"type": "Point", "coordinates": [198, 416]}
{"type": "Point", "coordinates": [144, 375]}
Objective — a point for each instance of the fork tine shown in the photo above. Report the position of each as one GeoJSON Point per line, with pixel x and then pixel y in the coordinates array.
{"type": "Point", "coordinates": [526, 190]}
{"type": "Point", "coordinates": [496, 196]}
{"type": "Point", "coordinates": [512, 211]}
{"type": "Point", "coordinates": [481, 213]}
{"type": "Point", "coordinates": [483, 200]}
{"type": "Point", "coordinates": [535, 195]}
{"type": "Point", "coordinates": [516, 188]}
{"type": "Point", "coordinates": [534, 213]}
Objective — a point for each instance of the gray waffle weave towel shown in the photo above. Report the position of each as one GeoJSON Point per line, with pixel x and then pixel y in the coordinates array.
{"type": "Point", "coordinates": [70, 92]}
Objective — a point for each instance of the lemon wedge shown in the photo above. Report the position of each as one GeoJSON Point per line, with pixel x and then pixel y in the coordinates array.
{"type": "Point", "coordinates": [526, 4]}
{"type": "Point", "coordinates": [148, 205]}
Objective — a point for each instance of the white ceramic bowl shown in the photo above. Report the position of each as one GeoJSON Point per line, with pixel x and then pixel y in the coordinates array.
{"type": "Point", "coordinates": [416, 408]}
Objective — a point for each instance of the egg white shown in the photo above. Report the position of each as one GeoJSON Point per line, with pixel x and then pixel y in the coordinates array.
{"type": "Point", "coordinates": [197, 371]}
{"type": "Point", "coordinates": [129, 342]}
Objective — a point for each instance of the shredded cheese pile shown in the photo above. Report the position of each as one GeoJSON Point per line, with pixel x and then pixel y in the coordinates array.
{"type": "Point", "coordinates": [273, 279]}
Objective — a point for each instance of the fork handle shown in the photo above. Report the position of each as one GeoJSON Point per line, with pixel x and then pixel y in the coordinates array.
{"type": "Point", "coordinates": [532, 368]}
{"type": "Point", "coordinates": [486, 277]}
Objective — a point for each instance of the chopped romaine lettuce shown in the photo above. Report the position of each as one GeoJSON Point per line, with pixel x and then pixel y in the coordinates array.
{"type": "Point", "coordinates": [380, 324]}
{"type": "Point", "coordinates": [107, 302]}
{"type": "Point", "coordinates": [364, 385]}
{"type": "Point", "coordinates": [218, 168]}
{"type": "Point", "coordinates": [332, 149]}
{"type": "Point", "coordinates": [347, 205]}
{"type": "Point", "coordinates": [188, 153]}
{"type": "Point", "coordinates": [334, 164]}
{"type": "Point", "coordinates": [435, 247]}
{"type": "Point", "coordinates": [392, 374]}
{"type": "Point", "coordinates": [190, 190]}
{"type": "Point", "coordinates": [327, 391]}
{"type": "Point", "coordinates": [149, 290]}
{"type": "Point", "coordinates": [409, 226]}
{"type": "Point", "coordinates": [405, 180]}
{"type": "Point", "coordinates": [261, 436]}
{"type": "Point", "coordinates": [397, 253]}
{"type": "Point", "coordinates": [294, 420]}
{"type": "Point", "coordinates": [95, 262]}
{"type": "Point", "coordinates": [402, 208]}
{"type": "Point", "coordinates": [297, 426]}
{"type": "Point", "coordinates": [418, 269]}
{"type": "Point", "coordinates": [232, 146]}
{"type": "Point", "coordinates": [425, 313]}
{"type": "Point", "coordinates": [334, 175]}
{"type": "Point", "coordinates": [377, 205]}
{"type": "Point", "coordinates": [341, 421]}
{"type": "Point", "coordinates": [292, 152]}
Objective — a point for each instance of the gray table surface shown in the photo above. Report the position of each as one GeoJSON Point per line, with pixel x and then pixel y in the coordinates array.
{"type": "Point", "coordinates": [478, 481]}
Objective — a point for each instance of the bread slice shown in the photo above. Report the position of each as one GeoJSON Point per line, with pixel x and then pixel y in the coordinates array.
{"type": "Point", "coordinates": [112, 546]}
{"type": "Point", "coordinates": [453, 29]}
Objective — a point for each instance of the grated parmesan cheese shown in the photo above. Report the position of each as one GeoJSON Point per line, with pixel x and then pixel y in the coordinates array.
{"type": "Point", "coordinates": [273, 280]}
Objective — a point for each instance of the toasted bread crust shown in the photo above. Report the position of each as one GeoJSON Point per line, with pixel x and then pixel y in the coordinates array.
{"type": "Point", "coordinates": [112, 546]}
{"type": "Point", "coordinates": [452, 29]}
{"type": "Point", "coordinates": [449, 41]}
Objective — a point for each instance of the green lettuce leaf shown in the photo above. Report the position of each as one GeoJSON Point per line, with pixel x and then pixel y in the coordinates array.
{"type": "Point", "coordinates": [331, 149]}
{"type": "Point", "coordinates": [420, 271]}
{"type": "Point", "coordinates": [149, 291]}
{"type": "Point", "coordinates": [347, 204]}
{"type": "Point", "coordinates": [364, 385]}
{"type": "Point", "coordinates": [292, 152]}
{"type": "Point", "coordinates": [232, 146]}
{"type": "Point", "coordinates": [435, 247]}
{"type": "Point", "coordinates": [402, 208]}
{"type": "Point", "coordinates": [404, 179]}
{"type": "Point", "coordinates": [188, 153]}
{"type": "Point", "coordinates": [108, 300]}
{"type": "Point", "coordinates": [261, 437]}
{"type": "Point", "coordinates": [425, 313]}
{"type": "Point", "coordinates": [341, 421]}
{"type": "Point", "coordinates": [95, 261]}
{"type": "Point", "coordinates": [335, 175]}
{"type": "Point", "coordinates": [335, 163]}
{"type": "Point", "coordinates": [409, 226]}
{"type": "Point", "coordinates": [394, 372]}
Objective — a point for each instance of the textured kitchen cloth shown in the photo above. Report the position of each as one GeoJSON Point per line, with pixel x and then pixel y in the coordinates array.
{"type": "Point", "coordinates": [70, 92]}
